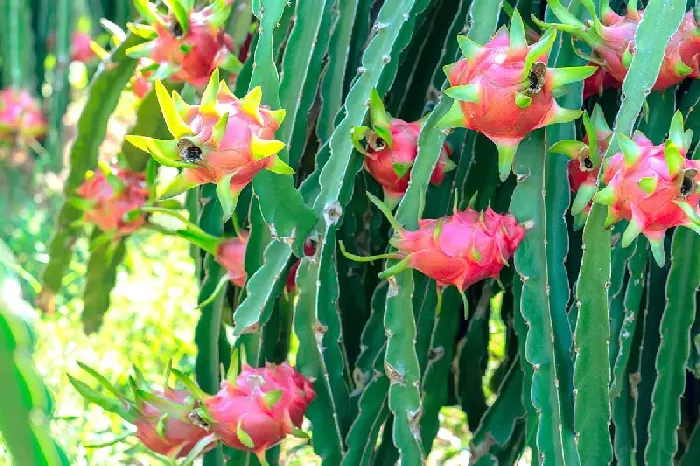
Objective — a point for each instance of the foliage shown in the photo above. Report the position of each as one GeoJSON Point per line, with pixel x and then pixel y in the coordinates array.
{"type": "Point", "coordinates": [393, 309]}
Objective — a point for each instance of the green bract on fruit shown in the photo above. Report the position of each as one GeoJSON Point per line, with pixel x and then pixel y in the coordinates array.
{"type": "Point", "coordinates": [612, 38]}
{"type": "Point", "coordinates": [504, 89]}
{"type": "Point", "coordinates": [654, 187]}
{"type": "Point", "coordinates": [224, 140]}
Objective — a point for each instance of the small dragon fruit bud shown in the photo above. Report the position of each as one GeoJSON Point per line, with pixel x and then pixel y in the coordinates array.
{"type": "Point", "coordinates": [20, 115]}
{"type": "Point", "coordinates": [80, 49]}
{"type": "Point", "coordinates": [259, 407]}
{"type": "Point", "coordinates": [586, 158]}
{"type": "Point", "coordinates": [163, 419]}
{"type": "Point", "coordinates": [612, 39]}
{"type": "Point", "coordinates": [654, 187]}
{"type": "Point", "coordinates": [392, 147]}
{"type": "Point", "coordinates": [230, 253]}
{"type": "Point", "coordinates": [111, 198]}
{"type": "Point", "coordinates": [309, 250]}
{"type": "Point", "coordinates": [458, 250]}
{"type": "Point", "coordinates": [505, 89]}
{"type": "Point", "coordinates": [188, 44]}
{"type": "Point", "coordinates": [224, 140]}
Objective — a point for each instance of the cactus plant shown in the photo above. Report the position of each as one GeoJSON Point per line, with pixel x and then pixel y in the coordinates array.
{"type": "Point", "coordinates": [499, 203]}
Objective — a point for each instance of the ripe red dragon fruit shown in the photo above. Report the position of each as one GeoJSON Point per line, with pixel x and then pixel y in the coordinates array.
{"type": "Point", "coordinates": [230, 253]}
{"type": "Point", "coordinates": [612, 39]}
{"type": "Point", "coordinates": [584, 166]}
{"type": "Point", "coordinates": [458, 250]}
{"type": "Point", "coordinates": [598, 82]}
{"type": "Point", "coordinates": [162, 418]}
{"type": "Point", "coordinates": [80, 49]}
{"type": "Point", "coordinates": [224, 140]}
{"type": "Point", "coordinates": [111, 198]}
{"type": "Point", "coordinates": [392, 147]}
{"type": "Point", "coordinates": [259, 407]}
{"type": "Point", "coordinates": [653, 187]}
{"type": "Point", "coordinates": [20, 115]}
{"type": "Point", "coordinates": [505, 89]}
{"type": "Point", "coordinates": [189, 44]}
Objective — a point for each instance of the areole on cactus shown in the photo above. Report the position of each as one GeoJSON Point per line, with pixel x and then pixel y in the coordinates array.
{"type": "Point", "coordinates": [586, 157]}
{"type": "Point", "coordinates": [612, 38]}
{"type": "Point", "coordinates": [223, 140]}
{"type": "Point", "coordinates": [392, 148]}
{"type": "Point", "coordinates": [188, 44]}
{"type": "Point", "coordinates": [504, 89]}
{"type": "Point", "coordinates": [458, 250]}
{"type": "Point", "coordinates": [653, 187]}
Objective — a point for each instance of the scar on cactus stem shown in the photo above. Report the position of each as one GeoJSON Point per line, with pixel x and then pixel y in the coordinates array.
{"type": "Point", "coordinates": [392, 148]}
{"type": "Point", "coordinates": [187, 44]}
{"type": "Point", "coordinates": [612, 38]}
{"type": "Point", "coordinates": [458, 250]}
{"type": "Point", "coordinates": [653, 187]}
{"type": "Point", "coordinates": [504, 89]}
{"type": "Point", "coordinates": [161, 417]}
{"type": "Point", "coordinates": [224, 140]}
{"type": "Point", "coordinates": [584, 165]}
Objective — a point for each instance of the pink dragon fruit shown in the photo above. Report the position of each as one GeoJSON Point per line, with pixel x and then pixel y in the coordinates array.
{"type": "Point", "coordinates": [584, 166]}
{"type": "Point", "coordinates": [162, 417]}
{"type": "Point", "coordinates": [654, 187]}
{"type": "Point", "coordinates": [140, 81]}
{"type": "Point", "coordinates": [80, 50]}
{"type": "Point", "coordinates": [458, 250]}
{"type": "Point", "coordinates": [612, 39]}
{"type": "Point", "coordinates": [505, 89]}
{"type": "Point", "coordinates": [596, 84]}
{"type": "Point", "coordinates": [230, 253]}
{"type": "Point", "coordinates": [258, 408]}
{"type": "Point", "coordinates": [224, 140]}
{"type": "Point", "coordinates": [111, 198]}
{"type": "Point", "coordinates": [188, 44]}
{"type": "Point", "coordinates": [20, 115]}
{"type": "Point", "coordinates": [392, 147]}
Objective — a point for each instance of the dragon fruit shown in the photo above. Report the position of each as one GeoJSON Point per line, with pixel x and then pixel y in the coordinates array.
{"type": "Point", "coordinates": [162, 418]}
{"type": "Point", "coordinates": [612, 39]}
{"type": "Point", "coordinates": [20, 115]}
{"type": "Point", "coordinates": [230, 253]}
{"type": "Point", "coordinates": [505, 89]}
{"type": "Point", "coordinates": [654, 187]}
{"type": "Point", "coordinates": [458, 250]}
{"type": "Point", "coordinates": [392, 147]}
{"type": "Point", "coordinates": [584, 166]}
{"type": "Point", "coordinates": [259, 407]}
{"type": "Point", "coordinates": [224, 140]}
{"type": "Point", "coordinates": [188, 44]}
{"type": "Point", "coordinates": [80, 49]}
{"type": "Point", "coordinates": [111, 198]}
{"type": "Point", "coordinates": [598, 82]}
{"type": "Point", "coordinates": [309, 250]}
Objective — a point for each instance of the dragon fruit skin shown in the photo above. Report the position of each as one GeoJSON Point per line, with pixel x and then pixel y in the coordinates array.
{"type": "Point", "coordinates": [113, 195]}
{"type": "Point", "coordinates": [20, 115]}
{"type": "Point", "coordinates": [230, 253]}
{"type": "Point", "coordinates": [177, 436]}
{"type": "Point", "coordinates": [460, 249]}
{"type": "Point", "coordinates": [189, 52]}
{"type": "Point", "coordinates": [653, 187]}
{"type": "Point", "coordinates": [505, 89]}
{"type": "Point", "coordinates": [80, 50]}
{"type": "Point", "coordinates": [614, 44]}
{"type": "Point", "coordinates": [224, 140]}
{"type": "Point", "coordinates": [584, 166]}
{"type": "Point", "coordinates": [259, 408]}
